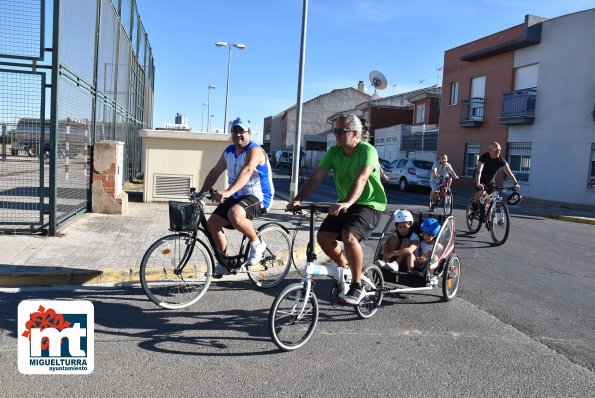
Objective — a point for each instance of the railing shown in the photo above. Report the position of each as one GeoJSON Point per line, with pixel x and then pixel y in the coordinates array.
{"type": "Point", "coordinates": [471, 112]}
{"type": "Point", "coordinates": [519, 103]}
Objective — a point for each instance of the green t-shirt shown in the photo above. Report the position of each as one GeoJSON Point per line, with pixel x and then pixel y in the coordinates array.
{"type": "Point", "coordinates": [345, 169]}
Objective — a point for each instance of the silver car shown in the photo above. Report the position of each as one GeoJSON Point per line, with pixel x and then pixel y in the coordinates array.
{"type": "Point", "coordinates": [406, 172]}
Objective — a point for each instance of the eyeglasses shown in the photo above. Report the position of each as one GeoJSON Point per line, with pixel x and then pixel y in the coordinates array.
{"type": "Point", "coordinates": [340, 131]}
{"type": "Point", "coordinates": [238, 131]}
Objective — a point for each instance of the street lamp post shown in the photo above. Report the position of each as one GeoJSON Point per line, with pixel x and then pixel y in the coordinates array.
{"type": "Point", "coordinates": [202, 120]}
{"type": "Point", "coordinates": [209, 108]}
{"type": "Point", "coordinates": [229, 45]}
{"type": "Point", "coordinates": [211, 117]}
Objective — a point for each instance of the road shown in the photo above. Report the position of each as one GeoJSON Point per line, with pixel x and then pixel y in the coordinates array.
{"type": "Point", "coordinates": [521, 325]}
{"type": "Point", "coordinates": [540, 281]}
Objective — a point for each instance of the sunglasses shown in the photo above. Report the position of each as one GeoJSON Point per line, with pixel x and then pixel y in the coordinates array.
{"type": "Point", "coordinates": [340, 131]}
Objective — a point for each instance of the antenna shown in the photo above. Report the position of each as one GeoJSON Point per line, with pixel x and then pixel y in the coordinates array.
{"type": "Point", "coordinates": [438, 70]}
{"type": "Point", "coordinates": [378, 81]}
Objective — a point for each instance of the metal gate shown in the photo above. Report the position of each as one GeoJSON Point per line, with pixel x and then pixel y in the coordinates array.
{"type": "Point", "coordinates": [97, 79]}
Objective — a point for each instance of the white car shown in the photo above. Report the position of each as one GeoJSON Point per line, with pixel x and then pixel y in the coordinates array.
{"type": "Point", "coordinates": [406, 172]}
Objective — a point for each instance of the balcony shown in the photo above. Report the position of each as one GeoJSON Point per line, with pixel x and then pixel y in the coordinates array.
{"type": "Point", "coordinates": [519, 107]}
{"type": "Point", "coordinates": [471, 112]}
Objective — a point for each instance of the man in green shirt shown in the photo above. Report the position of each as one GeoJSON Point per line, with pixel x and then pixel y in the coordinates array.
{"type": "Point", "coordinates": [361, 199]}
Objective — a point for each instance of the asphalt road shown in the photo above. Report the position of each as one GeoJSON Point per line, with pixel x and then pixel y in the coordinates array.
{"type": "Point", "coordinates": [521, 325]}
{"type": "Point", "coordinates": [415, 346]}
{"type": "Point", "coordinates": [540, 281]}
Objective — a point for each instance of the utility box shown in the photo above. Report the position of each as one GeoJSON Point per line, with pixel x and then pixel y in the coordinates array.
{"type": "Point", "coordinates": [107, 194]}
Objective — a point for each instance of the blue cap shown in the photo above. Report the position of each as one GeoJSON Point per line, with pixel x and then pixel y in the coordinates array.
{"type": "Point", "coordinates": [244, 124]}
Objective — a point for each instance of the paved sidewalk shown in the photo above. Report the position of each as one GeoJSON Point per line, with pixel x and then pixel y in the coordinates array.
{"type": "Point", "coordinates": [98, 248]}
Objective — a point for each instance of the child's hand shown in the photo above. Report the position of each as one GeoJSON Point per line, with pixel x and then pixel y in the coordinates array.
{"type": "Point", "coordinates": [420, 259]}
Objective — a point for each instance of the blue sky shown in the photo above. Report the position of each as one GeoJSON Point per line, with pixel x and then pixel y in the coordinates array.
{"type": "Point", "coordinates": [346, 40]}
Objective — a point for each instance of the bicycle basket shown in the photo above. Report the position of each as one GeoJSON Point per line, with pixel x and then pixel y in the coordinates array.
{"type": "Point", "coordinates": [183, 216]}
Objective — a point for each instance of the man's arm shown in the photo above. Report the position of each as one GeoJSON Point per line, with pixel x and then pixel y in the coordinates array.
{"type": "Point", "coordinates": [358, 185]}
{"type": "Point", "coordinates": [478, 174]}
{"type": "Point", "coordinates": [254, 157]}
{"type": "Point", "coordinates": [510, 174]}
{"type": "Point", "coordinates": [309, 187]}
{"type": "Point", "coordinates": [213, 175]}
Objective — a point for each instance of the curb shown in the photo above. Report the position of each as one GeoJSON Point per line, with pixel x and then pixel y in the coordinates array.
{"type": "Point", "coordinates": [26, 277]}
{"type": "Point", "coordinates": [582, 220]}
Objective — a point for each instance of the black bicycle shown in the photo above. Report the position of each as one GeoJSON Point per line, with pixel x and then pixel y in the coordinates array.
{"type": "Point", "coordinates": [177, 269]}
{"type": "Point", "coordinates": [491, 211]}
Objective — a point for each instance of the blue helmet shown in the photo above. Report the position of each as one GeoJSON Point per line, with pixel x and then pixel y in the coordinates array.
{"type": "Point", "coordinates": [431, 226]}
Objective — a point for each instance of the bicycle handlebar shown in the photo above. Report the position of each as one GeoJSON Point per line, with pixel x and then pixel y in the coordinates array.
{"type": "Point", "coordinates": [197, 197]}
{"type": "Point", "coordinates": [311, 207]}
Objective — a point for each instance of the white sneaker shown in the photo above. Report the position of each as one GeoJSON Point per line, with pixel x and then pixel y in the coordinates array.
{"type": "Point", "coordinates": [256, 252]}
{"type": "Point", "coordinates": [393, 265]}
{"type": "Point", "coordinates": [380, 263]}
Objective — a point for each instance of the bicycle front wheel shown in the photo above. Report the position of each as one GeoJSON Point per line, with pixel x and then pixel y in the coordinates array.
{"type": "Point", "coordinates": [276, 260]}
{"type": "Point", "coordinates": [448, 203]}
{"type": "Point", "coordinates": [472, 218]}
{"type": "Point", "coordinates": [451, 278]}
{"type": "Point", "coordinates": [370, 303]}
{"type": "Point", "coordinates": [175, 273]}
{"type": "Point", "coordinates": [500, 224]}
{"type": "Point", "coordinates": [293, 317]}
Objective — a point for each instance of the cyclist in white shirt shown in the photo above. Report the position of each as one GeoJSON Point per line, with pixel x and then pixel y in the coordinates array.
{"type": "Point", "coordinates": [440, 168]}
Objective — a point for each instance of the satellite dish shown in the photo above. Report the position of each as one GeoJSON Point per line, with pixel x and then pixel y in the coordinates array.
{"type": "Point", "coordinates": [378, 80]}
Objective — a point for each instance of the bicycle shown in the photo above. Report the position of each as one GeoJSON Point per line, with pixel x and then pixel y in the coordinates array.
{"type": "Point", "coordinates": [444, 196]}
{"type": "Point", "coordinates": [294, 314]}
{"type": "Point", "coordinates": [493, 212]}
{"type": "Point", "coordinates": [177, 269]}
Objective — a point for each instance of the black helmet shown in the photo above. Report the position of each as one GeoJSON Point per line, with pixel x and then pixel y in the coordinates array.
{"type": "Point", "coordinates": [514, 198]}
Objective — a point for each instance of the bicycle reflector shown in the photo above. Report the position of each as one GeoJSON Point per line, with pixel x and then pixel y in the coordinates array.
{"type": "Point", "coordinates": [514, 199]}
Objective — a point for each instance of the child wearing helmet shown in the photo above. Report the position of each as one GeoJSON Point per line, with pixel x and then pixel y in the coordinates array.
{"type": "Point", "coordinates": [430, 229]}
{"type": "Point", "coordinates": [399, 249]}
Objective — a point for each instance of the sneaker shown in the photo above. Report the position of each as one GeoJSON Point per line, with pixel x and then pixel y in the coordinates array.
{"type": "Point", "coordinates": [256, 252]}
{"type": "Point", "coordinates": [380, 263]}
{"type": "Point", "coordinates": [393, 265]}
{"type": "Point", "coordinates": [354, 295]}
{"type": "Point", "coordinates": [431, 281]}
{"type": "Point", "coordinates": [220, 270]}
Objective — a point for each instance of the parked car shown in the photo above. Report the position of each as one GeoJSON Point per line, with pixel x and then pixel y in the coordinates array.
{"type": "Point", "coordinates": [284, 158]}
{"type": "Point", "coordinates": [406, 172]}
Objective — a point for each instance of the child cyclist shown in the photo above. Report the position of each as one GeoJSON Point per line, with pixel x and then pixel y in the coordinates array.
{"type": "Point", "coordinates": [430, 229]}
{"type": "Point", "coordinates": [399, 249]}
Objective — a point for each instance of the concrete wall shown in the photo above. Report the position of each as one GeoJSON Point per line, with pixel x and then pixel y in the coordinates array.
{"type": "Point", "coordinates": [564, 129]}
{"type": "Point", "coordinates": [181, 154]}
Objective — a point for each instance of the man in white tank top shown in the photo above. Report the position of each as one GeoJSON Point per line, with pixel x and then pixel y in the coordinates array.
{"type": "Point", "coordinates": [250, 192]}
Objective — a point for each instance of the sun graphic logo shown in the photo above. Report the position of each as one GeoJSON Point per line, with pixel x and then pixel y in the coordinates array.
{"type": "Point", "coordinates": [56, 337]}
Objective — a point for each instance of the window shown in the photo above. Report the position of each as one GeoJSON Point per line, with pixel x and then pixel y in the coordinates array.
{"type": "Point", "coordinates": [454, 93]}
{"type": "Point", "coordinates": [471, 156]}
{"type": "Point", "coordinates": [420, 113]}
{"type": "Point", "coordinates": [519, 159]}
{"type": "Point", "coordinates": [591, 183]}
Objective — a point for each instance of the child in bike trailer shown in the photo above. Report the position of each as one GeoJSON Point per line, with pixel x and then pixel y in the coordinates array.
{"type": "Point", "coordinates": [399, 249]}
{"type": "Point", "coordinates": [430, 229]}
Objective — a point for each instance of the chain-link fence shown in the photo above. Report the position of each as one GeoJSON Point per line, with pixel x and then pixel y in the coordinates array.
{"type": "Point", "coordinates": [94, 83]}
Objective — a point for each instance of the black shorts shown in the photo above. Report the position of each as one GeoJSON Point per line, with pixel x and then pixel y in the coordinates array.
{"type": "Point", "coordinates": [358, 219]}
{"type": "Point", "coordinates": [250, 203]}
{"type": "Point", "coordinates": [488, 186]}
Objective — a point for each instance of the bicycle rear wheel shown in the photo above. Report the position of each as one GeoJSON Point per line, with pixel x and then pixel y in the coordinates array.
{"type": "Point", "coordinates": [500, 223]}
{"type": "Point", "coordinates": [276, 260]}
{"type": "Point", "coordinates": [293, 317]}
{"type": "Point", "coordinates": [447, 203]}
{"type": "Point", "coordinates": [472, 218]}
{"type": "Point", "coordinates": [370, 303]}
{"type": "Point", "coordinates": [174, 273]}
